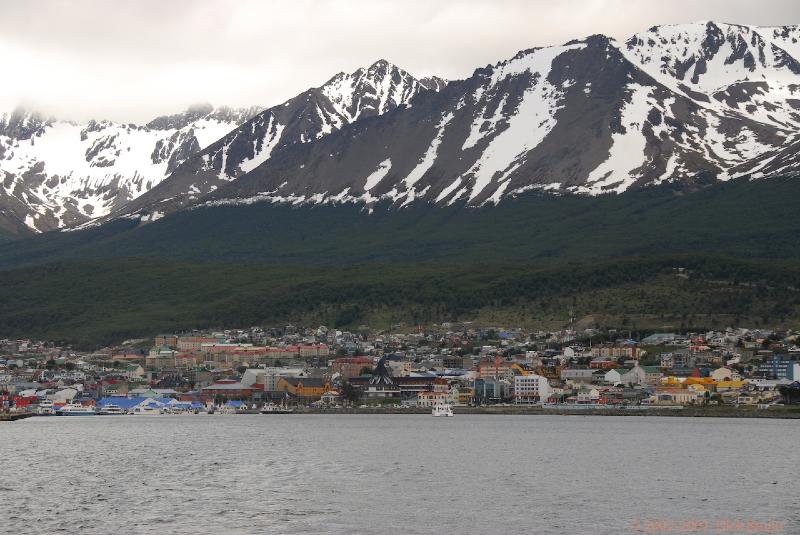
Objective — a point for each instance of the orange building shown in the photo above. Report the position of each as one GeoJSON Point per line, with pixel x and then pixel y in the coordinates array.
{"type": "Point", "coordinates": [304, 387]}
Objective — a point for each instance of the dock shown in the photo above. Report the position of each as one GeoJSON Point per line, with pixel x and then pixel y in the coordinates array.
{"type": "Point", "coordinates": [14, 416]}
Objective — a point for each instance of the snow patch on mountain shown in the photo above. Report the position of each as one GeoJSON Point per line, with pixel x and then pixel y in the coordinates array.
{"type": "Point", "coordinates": [376, 176]}
{"type": "Point", "coordinates": [532, 121]}
{"type": "Point", "coordinates": [618, 172]}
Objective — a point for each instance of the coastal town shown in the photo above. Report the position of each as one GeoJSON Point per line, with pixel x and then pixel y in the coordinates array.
{"type": "Point", "coordinates": [460, 365]}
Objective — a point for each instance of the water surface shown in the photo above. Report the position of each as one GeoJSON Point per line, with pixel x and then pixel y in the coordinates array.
{"type": "Point", "coordinates": [233, 474]}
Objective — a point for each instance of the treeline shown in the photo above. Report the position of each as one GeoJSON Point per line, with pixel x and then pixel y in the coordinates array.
{"type": "Point", "coordinates": [101, 302]}
{"type": "Point", "coordinates": [747, 219]}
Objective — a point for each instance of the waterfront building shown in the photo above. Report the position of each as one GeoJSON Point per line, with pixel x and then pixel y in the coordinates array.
{"type": "Point", "coordinates": [305, 388]}
{"type": "Point", "coordinates": [531, 388]}
{"type": "Point", "coordinates": [229, 389]}
{"type": "Point", "coordinates": [382, 384]}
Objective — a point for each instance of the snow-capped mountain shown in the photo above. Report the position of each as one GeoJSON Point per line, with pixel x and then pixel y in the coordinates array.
{"type": "Point", "coordinates": [735, 67]}
{"type": "Point", "coordinates": [687, 103]}
{"type": "Point", "coordinates": [57, 174]}
{"type": "Point", "coordinates": [311, 115]}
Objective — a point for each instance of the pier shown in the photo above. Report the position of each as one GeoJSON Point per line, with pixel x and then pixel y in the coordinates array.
{"type": "Point", "coordinates": [13, 416]}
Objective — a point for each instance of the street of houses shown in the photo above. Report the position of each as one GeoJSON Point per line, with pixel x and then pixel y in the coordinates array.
{"type": "Point", "coordinates": [458, 364]}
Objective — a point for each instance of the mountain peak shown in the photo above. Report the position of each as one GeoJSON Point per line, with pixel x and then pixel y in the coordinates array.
{"type": "Point", "coordinates": [381, 64]}
{"type": "Point", "coordinates": [23, 123]}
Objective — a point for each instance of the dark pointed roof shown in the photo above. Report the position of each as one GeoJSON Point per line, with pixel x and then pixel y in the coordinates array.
{"type": "Point", "coordinates": [381, 376]}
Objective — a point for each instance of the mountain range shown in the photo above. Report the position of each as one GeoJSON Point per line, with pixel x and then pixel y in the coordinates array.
{"type": "Point", "coordinates": [689, 104]}
{"type": "Point", "coordinates": [651, 181]}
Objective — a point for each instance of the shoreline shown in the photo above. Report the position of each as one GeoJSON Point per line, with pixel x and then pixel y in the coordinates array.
{"type": "Point", "coordinates": [686, 412]}
{"type": "Point", "coordinates": [787, 413]}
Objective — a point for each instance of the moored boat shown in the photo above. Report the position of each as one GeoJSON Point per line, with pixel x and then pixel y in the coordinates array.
{"type": "Point", "coordinates": [111, 410]}
{"type": "Point", "coordinates": [75, 409]}
{"type": "Point", "coordinates": [147, 411]}
{"type": "Point", "coordinates": [442, 410]}
{"type": "Point", "coordinates": [45, 408]}
{"type": "Point", "coordinates": [271, 408]}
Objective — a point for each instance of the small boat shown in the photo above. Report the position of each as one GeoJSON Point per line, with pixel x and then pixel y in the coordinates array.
{"type": "Point", "coordinates": [75, 409]}
{"type": "Point", "coordinates": [45, 408]}
{"type": "Point", "coordinates": [111, 410]}
{"type": "Point", "coordinates": [442, 409]}
{"type": "Point", "coordinates": [271, 408]}
{"type": "Point", "coordinates": [147, 411]}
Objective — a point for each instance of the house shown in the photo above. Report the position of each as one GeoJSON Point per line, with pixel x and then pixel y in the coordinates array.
{"type": "Point", "coordinates": [725, 374]}
{"type": "Point", "coordinates": [652, 375]}
{"type": "Point", "coordinates": [602, 363]}
{"type": "Point", "coordinates": [160, 357]}
{"type": "Point", "coordinates": [134, 371]}
{"type": "Point", "coordinates": [431, 398]}
{"type": "Point", "coordinates": [166, 340]}
{"type": "Point", "coordinates": [577, 375]}
{"type": "Point", "coordinates": [331, 397]}
{"type": "Point", "coordinates": [634, 376]}
{"type": "Point", "coordinates": [349, 367]}
{"type": "Point", "coordinates": [460, 395]}
{"type": "Point", "coordinates": [673, 396]}
{"type": "Point", "coordinates": [585, 396]}
{"type": "Point", "coordinates": [614, 376]}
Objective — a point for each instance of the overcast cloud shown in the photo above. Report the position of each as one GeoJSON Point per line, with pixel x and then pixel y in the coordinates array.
{"type": "Point", "coordinates": [133, 60]}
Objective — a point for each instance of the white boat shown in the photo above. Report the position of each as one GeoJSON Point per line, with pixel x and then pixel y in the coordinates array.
{"type": "Point", "coordinates": [147, 411]}
{"type": "Point", "coordinates": [442, 409]}
{"type": "Point", "coordinates": [271, 408]}
{"type": "Point", "coordinates": [75, 409]}
{"type": "Point", "coordinates": [45, 408]}
{"type": "Point", "coordinates": [111, 410]}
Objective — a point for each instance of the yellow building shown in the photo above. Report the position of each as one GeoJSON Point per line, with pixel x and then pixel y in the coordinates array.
{"type": "Point", "coordinates": [303, 387]}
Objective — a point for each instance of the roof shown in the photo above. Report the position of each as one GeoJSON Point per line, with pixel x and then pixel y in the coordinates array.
{"type": "Point", "coordinates": [226, 386]}
{"type": "Point", "coordinates": [381, 375]}
{"type": "Point", "coordinates": [306, 381]}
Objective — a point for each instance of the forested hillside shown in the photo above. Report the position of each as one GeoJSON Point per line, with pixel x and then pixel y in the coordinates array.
{"type": "Point", "coordinates": [96, 303]}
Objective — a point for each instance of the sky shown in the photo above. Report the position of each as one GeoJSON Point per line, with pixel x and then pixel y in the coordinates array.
{"type": "Point", "coordinates": [133, 60]}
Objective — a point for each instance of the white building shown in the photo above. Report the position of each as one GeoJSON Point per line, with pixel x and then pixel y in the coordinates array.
{"type": "Point", "coordinates": [614, 376]}
{"type": "Point", "coordinates": [725, 374]}
{"type": "Point", "coordinates": [531, 388]}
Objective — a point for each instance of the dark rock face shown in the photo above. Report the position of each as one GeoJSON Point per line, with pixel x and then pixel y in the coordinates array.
{"type": "Point", "coordinates": [22, 124]}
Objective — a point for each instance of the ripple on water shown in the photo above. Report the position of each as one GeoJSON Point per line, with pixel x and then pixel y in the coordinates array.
{"type": "Point", "coordinates": [376, 474]}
